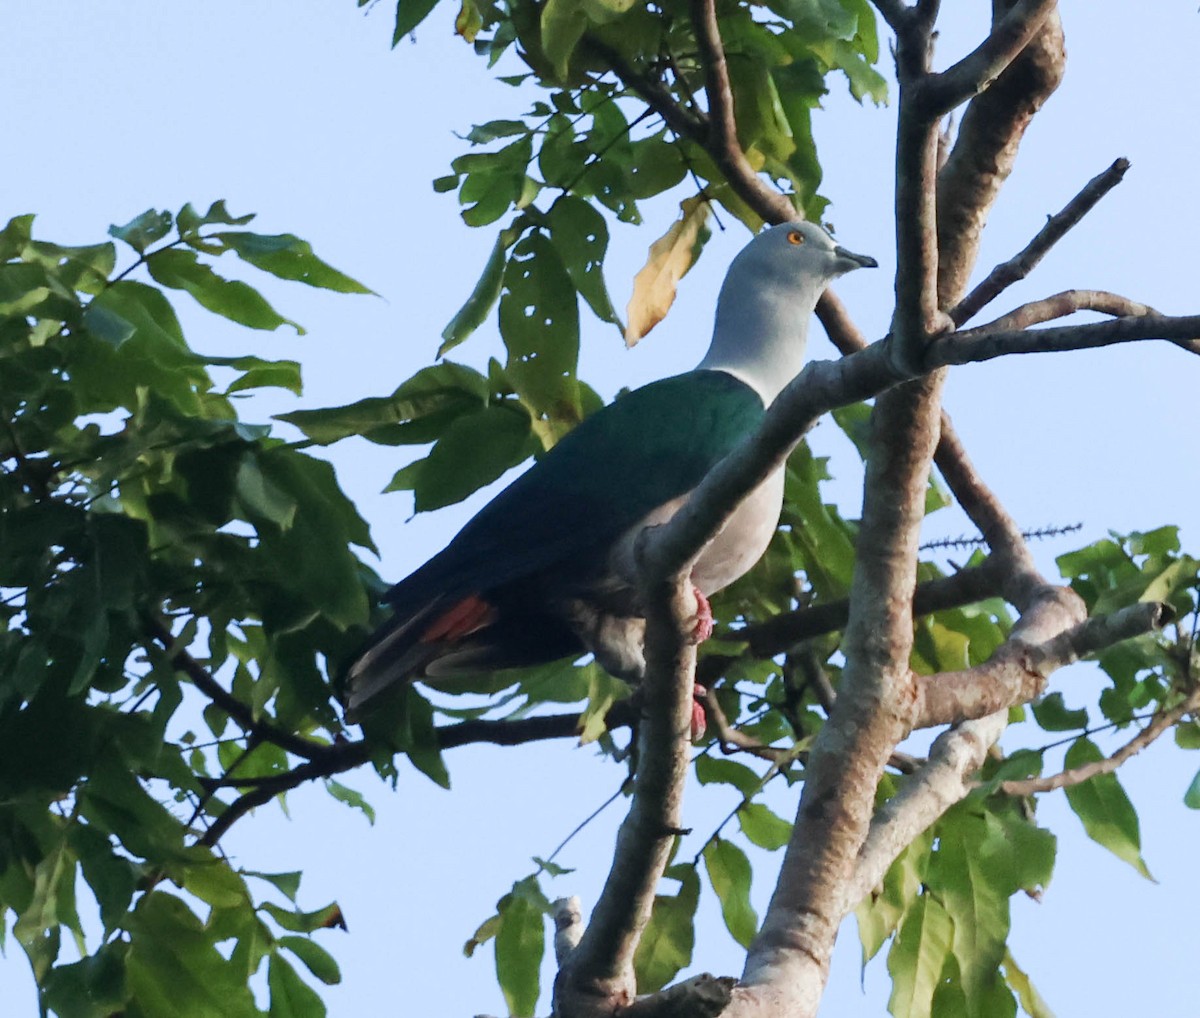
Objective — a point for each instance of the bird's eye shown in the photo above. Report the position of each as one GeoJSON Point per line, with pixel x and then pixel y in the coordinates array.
{"type": "Point", "coordinates": [795, 237]}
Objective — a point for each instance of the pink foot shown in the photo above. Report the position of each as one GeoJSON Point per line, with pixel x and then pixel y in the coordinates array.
{"type": "Point", "coordinates": [699, 719]}
{"type": "Point", "coordinates": [704, 618]}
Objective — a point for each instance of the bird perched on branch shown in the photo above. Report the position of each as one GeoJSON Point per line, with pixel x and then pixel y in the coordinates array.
{"type": "Point", "coordinates": [547, 568]}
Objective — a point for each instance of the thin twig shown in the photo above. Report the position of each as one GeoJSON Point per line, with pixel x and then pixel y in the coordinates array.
{"type": "Point", "coordinates": [1057, 226]}
{"type": "Point", "coordinates": [204, 681]}
{"type": "Point", "coordinates": [1161, 723]}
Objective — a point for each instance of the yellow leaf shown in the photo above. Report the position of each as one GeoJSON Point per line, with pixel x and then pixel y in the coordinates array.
{"type": "Point", "coordinates": [670, 258]}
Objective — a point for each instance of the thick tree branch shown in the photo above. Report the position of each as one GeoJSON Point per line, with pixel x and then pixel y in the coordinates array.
{"type": "Point", "coordinates": [601, 967]}
{"type": "Point", "coordinates": [945, 779]}
{"type": "Point", "coordinates": [895, 12]}
{"type": "Point", "coordinates": [1018, 671]}
{"type": "Point", "coordinates": [917, 317]}
{"type": "Point", "coordinates": [940, 93]}
{"type": "Point", "coordinates": [788, 960]}
{"type": "Point", "coordinates": [1162, 722]}
{"type": "Point", "coordinates": [702, 996]}
{"type": "Point", "coordinates": [1057, 226]}
{"type": "Point", "coordinates": [986, 148]}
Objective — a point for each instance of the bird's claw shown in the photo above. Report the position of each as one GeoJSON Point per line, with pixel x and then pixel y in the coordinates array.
{"type": "Point", "coordinates": [703, 628]}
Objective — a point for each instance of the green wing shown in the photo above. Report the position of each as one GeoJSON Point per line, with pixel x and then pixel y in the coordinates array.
{"type": "Point", "coordinates": [648, 447]}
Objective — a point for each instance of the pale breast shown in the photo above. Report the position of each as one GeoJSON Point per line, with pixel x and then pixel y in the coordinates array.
{"type": "Point", "coordinates": [727, 556]}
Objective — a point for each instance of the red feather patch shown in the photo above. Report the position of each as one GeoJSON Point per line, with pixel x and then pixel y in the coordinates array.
{"type": "Point", "coordinates": [468, 615]}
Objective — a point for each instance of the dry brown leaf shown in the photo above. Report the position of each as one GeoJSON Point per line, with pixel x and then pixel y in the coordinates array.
{"type": "Point", "coordinates": [670, 258]}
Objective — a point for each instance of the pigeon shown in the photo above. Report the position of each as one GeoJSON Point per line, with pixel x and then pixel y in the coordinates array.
{"type": "Point", "coordinates": [547, 569]}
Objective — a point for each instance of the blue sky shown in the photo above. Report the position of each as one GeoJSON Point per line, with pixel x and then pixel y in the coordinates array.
{"type": "Point", "coordinates": [300, 112]}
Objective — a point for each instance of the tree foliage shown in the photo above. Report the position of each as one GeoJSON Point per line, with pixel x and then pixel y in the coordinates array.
{"type": "Point", "coordinates": [181, 589]}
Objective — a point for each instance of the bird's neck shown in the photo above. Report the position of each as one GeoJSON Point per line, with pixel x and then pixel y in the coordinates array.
{"type": "Point", "coordinates": [760, 336]}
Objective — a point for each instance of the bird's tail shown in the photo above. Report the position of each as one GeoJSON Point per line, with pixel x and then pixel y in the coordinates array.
{"type": "Point", "coordinates": [403, 648]}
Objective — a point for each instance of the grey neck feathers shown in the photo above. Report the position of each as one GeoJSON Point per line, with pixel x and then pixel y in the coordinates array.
{"type": "Point", "coordinates": [761, 332]}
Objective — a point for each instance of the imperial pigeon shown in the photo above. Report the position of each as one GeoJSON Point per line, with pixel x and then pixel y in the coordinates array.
{"type": "Point", "coordinates": [547, 570]}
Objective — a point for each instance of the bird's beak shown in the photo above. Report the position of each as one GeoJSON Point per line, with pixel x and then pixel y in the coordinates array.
{"type": "Point", "coordinates": [849, 260]}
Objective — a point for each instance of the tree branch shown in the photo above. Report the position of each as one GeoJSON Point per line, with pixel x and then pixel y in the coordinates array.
{"type": "Point", "coordinates": [940, 93]}
{"type": "Point", "coordinates": [1018, 670]}
{"type": "Point", "coordinates": [778, 634]}
{"type": "Point", "coordinates": [895, 12]}
{"type": "Point", "coordinates": [1057, 226]}
{"type": "Point", "coordinates": [722, 139]}
{"type": "Point", "coordinates": [945, 779]}
{"type": "Point", "coordinates": [789, 957]}
{"type": "Point", "coordinates": [986, 148]}
{"type": "Point", "coordinates": [917, 316]}
{"type": "Point", "coordinates": [974, 346]}
{"type": "Point", "coordinates": [242, 714]}
{"type": "Point", "coordinates": [601, 967]}
{"type": "Point", "coordinates": [1162, 722]}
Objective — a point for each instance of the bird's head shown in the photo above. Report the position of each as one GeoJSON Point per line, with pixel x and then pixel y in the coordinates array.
{"type": "Point", "coordinates": [765, 302]}
{"type": "Point", "coordinates": [798, 255]}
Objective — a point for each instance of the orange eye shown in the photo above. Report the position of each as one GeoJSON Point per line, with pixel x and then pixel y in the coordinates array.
{"type": "Point", "coordinates": [795, 237]}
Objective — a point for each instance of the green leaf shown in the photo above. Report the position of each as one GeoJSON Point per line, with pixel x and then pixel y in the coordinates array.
{"type": "Point", "coordinates": [295, 921]}
{"type": "Point", "coordinates": [174, 969]}
{"type": "Point", "coordinates": [580, 236]}
{"type": "Point", "coordinates": [291, 996]}
{"type": "Point", "coordinates": [1104, 809]}
{"type": "Point", "coordinates": [107, 325]}
{"type": "Point", "coordinates": [261, 374]}
{"type": "Point", "coordinates": [539, 321]}
{"type": "Point", "coordinates": [287, 884]}
{"type": "Point", "coordinates": [16, 234]}
{"type": "Point", "coordinates": [1052, 714]}
{"type": "Point", "coordinates": [111, 877]}
{"type": "Point", "coordinates": [351, 798]}
{"type": "Point", "coordinates": [729, 873]}
{"type": "Point", "coordinates": [288, 257]}
{"type": "Point", "coordinates": [316, 959]}
{"type": "Point", "coordinates": [483, 134]}
{"type": "Point", "coordinates": [409, 14]}
{"type": "Point", "coordinates": [487, 291]}
{"type": "Point", "coordinates": [474, 450]}
{"type": "Point", "coordinates": [880, 912]}
{"type": "Point", "coordinates": [917, 958]}
{"type": "Point", "coordinates": [1191, 798]}
{"type": "Point", "coordinates": [139, 233]}
{"type": "Point", "coordinates": [260, 498]}
{"type": "Point", "coordinates": [972, 874]}
{"type": "Point", "coordinates": [418, 411]}
{"type": "Point", "coordinates": [215, 883]}
{"type": "Point", "coordinates": [189, 220]}
{"type": "Point", "coordinates": [669, 938]}
{"type": "Point", "coordinates": [94, 987]}
{"type": "Point", "coordinates": [763, 827]}
{"type": "Point", "coordinates": [36, 929]}
{"type": "Point", "coordinates": [1031, 1001]}
{"type": "Point", "coordinates": [232, 299]}
{"type": "Point", "coordinates": [710, 769]}
{"type": "Point", "coordinates": [520, 943]}
{"type": "Point", "coordinates": [485, 932]}
{"type": "Point", "coordinates": [563, 25]}
{"type": "Point", "coordinates": [603, 692]}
